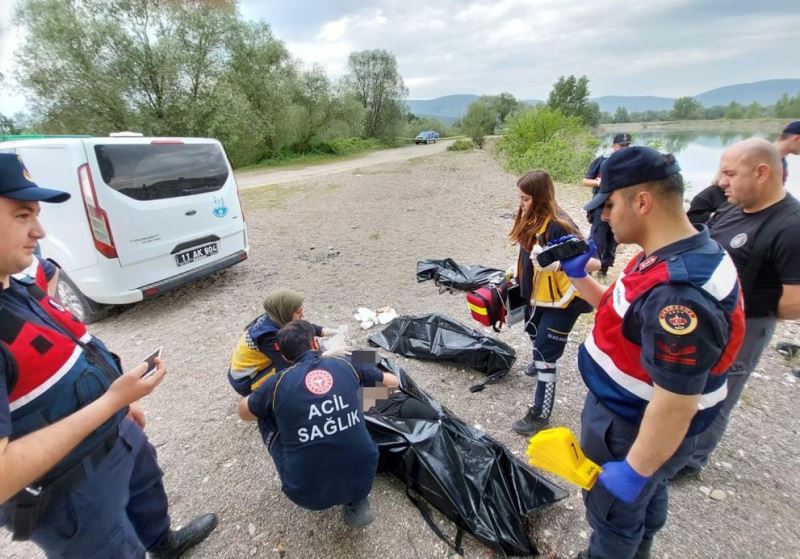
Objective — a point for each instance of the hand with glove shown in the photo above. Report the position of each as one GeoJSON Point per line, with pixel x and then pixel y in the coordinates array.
{"type": "Point", "coordinates": [622, 480]}
{"type": "Point", "coordinates": [337, 351]}
{"type": "Point", "coordinates": [575, 267]}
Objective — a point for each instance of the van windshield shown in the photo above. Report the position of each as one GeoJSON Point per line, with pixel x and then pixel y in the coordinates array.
{"type": "Point", "coordinates": [156, 171]}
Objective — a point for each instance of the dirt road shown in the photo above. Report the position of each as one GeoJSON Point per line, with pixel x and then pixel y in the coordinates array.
{"type": "Point", "coordinates": [353, 239]}
{"type": "Point", "coordinates": [253, 179]}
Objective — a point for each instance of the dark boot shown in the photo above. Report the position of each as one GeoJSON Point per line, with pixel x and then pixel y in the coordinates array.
{"type": "Point", "coordinates": [176, 542]}
{"type": "Point", "coordinates": [531, 424]}
{"type": "Point", "coordinates": [531, 370]}
{"type": "Point", "coordinates": [644, 549]}
{"type": "Point", "coordinates": [358, 513]}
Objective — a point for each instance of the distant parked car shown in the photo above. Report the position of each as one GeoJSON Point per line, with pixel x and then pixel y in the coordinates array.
{"type": "Point", "coordinates": [426, 136]}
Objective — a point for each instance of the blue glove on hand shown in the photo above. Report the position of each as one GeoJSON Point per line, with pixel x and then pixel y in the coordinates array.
{"type": "Point", "coordinates": [575, 267]}
{"type": "Point", "coordinates": [622, 480]}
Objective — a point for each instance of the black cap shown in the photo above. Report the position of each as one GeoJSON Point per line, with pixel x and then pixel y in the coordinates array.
{"type": "Point", "coordinates": [629, 167]}
{"type": "Point", "coordinates": [622, 138]}
{"type": "Point", "coordinates": [16, 183]}
{"type": "Point", "coordinates": [792, 128]}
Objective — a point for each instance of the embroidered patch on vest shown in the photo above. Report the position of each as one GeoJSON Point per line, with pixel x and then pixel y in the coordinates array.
{"type": "Point", "coordinates": [319, 381]}
{"type": "Point", "coordinates": [739, 240]}
{"type": "Point", "coordinates": [675, 353]}
{"type": "Point", "coordinates": [677, 319]}
{"type": "Point", "coordinates": [647, 262]}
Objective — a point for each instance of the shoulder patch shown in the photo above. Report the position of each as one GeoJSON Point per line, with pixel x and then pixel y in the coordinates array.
{"type": "Point", "coordinates": [677, 319]}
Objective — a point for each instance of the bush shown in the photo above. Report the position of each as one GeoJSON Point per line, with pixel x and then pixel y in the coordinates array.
{"type": "Point", "coordinates": [544, 138]}
{"type": "Point", "coordinates": [460, 145]}
{"type": "Point", "coordinates": [347, 146]}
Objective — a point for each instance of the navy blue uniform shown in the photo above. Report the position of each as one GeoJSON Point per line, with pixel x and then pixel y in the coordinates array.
{"type": "Point", "coordinates": [120, 507]}
{"type": "Point", "coordinates": [321, 448]}
{"type": "Point", "coordinates": [601, 231]}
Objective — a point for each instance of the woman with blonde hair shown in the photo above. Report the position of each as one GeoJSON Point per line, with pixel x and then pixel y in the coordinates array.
{"type": "Point", "coordinates": [554, 305]}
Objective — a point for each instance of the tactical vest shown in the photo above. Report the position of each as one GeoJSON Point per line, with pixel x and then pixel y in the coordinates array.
{"type": "Point", "coordinates": [54, 370]}
{"type": "Point", "coordinates": [610, 363]}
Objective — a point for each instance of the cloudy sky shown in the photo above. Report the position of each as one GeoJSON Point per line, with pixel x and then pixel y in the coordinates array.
{"type": "Point", "coordinates": [626, 47]}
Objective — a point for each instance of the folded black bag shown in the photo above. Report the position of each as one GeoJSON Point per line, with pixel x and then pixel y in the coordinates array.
{"type": "Point", "coordinates": [465, 474]}
{"type": "Point", "coordinates": [440, 338]}
{"type": "Point", "coordinates": [449, 273]}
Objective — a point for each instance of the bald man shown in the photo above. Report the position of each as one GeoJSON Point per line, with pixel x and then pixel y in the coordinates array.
{"type": "Point", "coordinates": [788, 143]}
{"type": "Point", "coordinates": [759, 226]}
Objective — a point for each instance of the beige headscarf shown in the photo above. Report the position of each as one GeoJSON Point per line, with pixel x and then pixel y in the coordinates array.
{"type": "Point", "coordinates": [280, 305]}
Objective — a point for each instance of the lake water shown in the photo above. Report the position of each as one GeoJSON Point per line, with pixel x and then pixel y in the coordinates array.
{"type": "Point", "coordinates": [698, 153]}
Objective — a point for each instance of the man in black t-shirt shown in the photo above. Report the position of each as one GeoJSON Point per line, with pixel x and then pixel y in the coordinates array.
{"type": "Point", "coordinates": [751, 175]}
{"type": "Point", "coordinates": [706, 202]}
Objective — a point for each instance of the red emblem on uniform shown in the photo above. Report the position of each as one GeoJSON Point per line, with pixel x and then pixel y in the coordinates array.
{"type": "Point", "coordinates": [647, 262]}
{"type": "Point", "coordinates": [678, 319]}
{"type": "Point", "coordinates": [319, 381]}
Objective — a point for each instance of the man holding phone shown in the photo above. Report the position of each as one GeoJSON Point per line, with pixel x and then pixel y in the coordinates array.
{"type": "Point", "coordinates": [311, 419]}
{"type": "Point", "coordinates": [77, 474]}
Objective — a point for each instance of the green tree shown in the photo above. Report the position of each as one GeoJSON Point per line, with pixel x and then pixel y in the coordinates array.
{"type": "Point", "coordinates": [733, 111]}
{"type": "Point", "coordinates": [570, 95]}
{"type": "Point", "coordinates": [754, 110]}
{"type": "Point", "coordinates": [478, 122]}
{"type": "Point", "coordinates": [545, 138]}
{"type": "Point", "coordinates": [375, 81]}
{"type": "Point", "coordinates": [502, 105]}
{"type": "Point", "coordinates": [687, 108]}
{"type": "Point", "coordinates": [787, 107]}
{"type": "Point", "coordinates": [621, 115]}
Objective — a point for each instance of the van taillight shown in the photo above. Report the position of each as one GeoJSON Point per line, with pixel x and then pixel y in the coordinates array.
{"type": "Point", "coordinates": [98, 219]}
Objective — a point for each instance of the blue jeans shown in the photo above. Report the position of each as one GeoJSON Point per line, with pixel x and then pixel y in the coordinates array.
{"type": "Point", "coordinates": [617, 527]}
{"type": "Point", "coordinates": [118, 512]}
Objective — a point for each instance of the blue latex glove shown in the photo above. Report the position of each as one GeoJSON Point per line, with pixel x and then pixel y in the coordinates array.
{"type": "Point", "coordinates": [622, 480]}
{"type": "Point", "coordinates": [575, 267]}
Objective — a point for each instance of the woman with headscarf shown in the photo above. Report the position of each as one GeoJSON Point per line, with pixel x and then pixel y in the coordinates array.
{"type": "Point", "coordinates": [553, 304]}
{"type": "Point", "coordinates": [257, 356]}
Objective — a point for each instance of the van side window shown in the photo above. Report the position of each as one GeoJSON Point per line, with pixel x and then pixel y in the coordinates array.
{"type": "Point", "coordinates": [157, 171]}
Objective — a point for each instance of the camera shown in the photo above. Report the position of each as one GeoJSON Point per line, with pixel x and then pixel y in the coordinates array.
{"type": "Point", "coordinates": [561, 251]}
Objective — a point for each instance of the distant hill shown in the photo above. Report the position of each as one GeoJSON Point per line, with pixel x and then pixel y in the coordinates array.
{"type": "Point", "coordinates": [609, 103]}
{"type": "Point", "coordinates": [451, 106]}
{"type": "Point", "coordinates": [765, 92]}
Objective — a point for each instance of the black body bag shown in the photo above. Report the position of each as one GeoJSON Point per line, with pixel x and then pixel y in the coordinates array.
{"type": "Point", "coordinates": [448, 273]}
{"type": "Point", "coordinates": [440, 338]}
{"type": "Point", "coordinates": [465, 474]}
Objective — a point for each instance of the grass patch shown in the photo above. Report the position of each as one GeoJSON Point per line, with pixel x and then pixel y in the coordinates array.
{"type": "Point", "coordinates": [268, 196]}
{"type": "Point", "coordinates": [460, 145]}
{"type": "Point", "coordinates": [375, 235]}
{"type": "Point", "coordinates": [301, 160]}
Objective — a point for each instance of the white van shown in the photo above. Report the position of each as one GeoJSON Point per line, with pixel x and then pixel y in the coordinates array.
{"type": "Point", "coordinates": [146, 215]}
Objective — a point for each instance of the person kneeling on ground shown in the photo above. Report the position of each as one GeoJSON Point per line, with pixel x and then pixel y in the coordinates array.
{"type": "Point", "coordinates": [256, 356]}
{"type": "Point", "coordinates": [311, 420]}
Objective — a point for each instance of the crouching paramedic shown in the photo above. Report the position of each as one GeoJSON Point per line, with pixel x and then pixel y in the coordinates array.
{"type": "Point", "coordinates": [77, 474]}
{"type": "Point", "coordinates": [655, 363]}
{"type": "Point", "coordinates": [311, 420]}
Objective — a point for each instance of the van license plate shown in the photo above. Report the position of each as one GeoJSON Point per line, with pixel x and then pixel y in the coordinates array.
{"type": "Point", "coordinates": [195, 254]}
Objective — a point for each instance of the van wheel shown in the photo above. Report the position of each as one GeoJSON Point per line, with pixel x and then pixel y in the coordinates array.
{"type": "Point", "coordinates": [84, 309]}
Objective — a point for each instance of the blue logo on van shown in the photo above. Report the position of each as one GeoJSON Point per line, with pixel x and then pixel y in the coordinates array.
{"type": "Point", "coordinates": [220, 209]}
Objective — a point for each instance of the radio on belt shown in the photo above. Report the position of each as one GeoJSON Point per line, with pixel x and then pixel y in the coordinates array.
{"type": "Point", "coordinates": [561, 251]}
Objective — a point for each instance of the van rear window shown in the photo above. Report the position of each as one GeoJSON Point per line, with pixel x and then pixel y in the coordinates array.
{"type": "Point", "coordinates": [156, 171]}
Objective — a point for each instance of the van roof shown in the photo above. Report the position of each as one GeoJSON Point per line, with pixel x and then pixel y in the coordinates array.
{"type": "Point", "coordinates": [13, 137]}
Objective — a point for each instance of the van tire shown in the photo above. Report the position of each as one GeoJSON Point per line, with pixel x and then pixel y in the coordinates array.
{"type": "Point", "coordinates": [84, 309]}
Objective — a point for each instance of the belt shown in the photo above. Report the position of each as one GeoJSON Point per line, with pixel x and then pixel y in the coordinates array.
{"type": "Point", "coordinates": [25, 507]}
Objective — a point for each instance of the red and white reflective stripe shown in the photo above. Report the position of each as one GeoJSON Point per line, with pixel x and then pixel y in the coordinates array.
{"type": "Point", "coordinates": [42, 388]}
{"type": "Point", "coordinates": [723, 280]}
{"type": "Point", "coordinates": [86, 338]}
{"type": "Point", "coordinates": [618, 297]}
{"type": "Point", "coordinates": [640, 388]}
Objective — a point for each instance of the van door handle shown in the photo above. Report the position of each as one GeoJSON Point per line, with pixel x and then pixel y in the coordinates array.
{"type": "Point", "coordinates": [191, 212]}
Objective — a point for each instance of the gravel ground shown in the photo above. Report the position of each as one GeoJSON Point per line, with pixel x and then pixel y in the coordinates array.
{"type": "Point", "coordinates": [351, 240]}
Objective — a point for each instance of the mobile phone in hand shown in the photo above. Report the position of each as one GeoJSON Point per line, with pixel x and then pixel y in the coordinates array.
{"type": "Point", "coordinates": [151, 362]}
